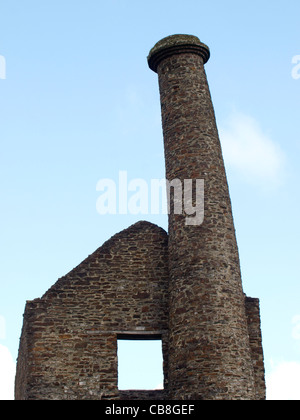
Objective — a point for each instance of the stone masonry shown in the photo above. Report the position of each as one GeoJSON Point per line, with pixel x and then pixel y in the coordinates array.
{"type": "Point", "coordinates": [183, 287]}
{"type": "Point", "coordinates": [69, 340]}
{"type": "Point", "coordinates": [209, 358]}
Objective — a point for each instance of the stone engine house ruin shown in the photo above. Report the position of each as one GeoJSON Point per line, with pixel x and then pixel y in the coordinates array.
{"type": "Point", "coordinates": [184, 287]}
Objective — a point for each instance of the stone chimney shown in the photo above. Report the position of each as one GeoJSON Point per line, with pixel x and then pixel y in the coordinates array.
{"type": "Point", "coordinates": [209, 353]}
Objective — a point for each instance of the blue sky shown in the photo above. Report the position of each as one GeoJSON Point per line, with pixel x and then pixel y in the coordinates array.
{"type": "Point", "coordinates": [78, 104]}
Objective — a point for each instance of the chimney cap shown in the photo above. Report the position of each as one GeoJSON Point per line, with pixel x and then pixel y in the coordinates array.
{"type": "Point", "coordinates": [177, 44]}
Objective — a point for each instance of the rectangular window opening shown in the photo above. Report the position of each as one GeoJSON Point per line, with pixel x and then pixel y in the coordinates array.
{"type": "Point", "coordinates": [140, 362]}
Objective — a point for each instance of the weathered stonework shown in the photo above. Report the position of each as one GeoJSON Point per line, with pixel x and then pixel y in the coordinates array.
{"type": "Point", "coordinates": [209, 342]}
{"type": "Point", "coordinates": [184, 287]}
{"type": "Point", "coordinates": [69, 340]}
{"type": "Point", "coordinates": [255, 338]}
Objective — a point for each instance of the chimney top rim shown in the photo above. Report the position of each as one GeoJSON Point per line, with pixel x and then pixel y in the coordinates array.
{"type": "Point", "coordinates": [175, 44]}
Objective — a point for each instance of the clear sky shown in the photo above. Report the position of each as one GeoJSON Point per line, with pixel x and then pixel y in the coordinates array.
{"type": "Point", "coordinates": [79, 104]}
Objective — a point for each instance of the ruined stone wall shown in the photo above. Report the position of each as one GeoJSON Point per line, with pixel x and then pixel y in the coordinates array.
{"type": "Point", "coordinates": [255, 338]}
{"type": "Point", "coordinates": [68, 346]}
{"type": "Point", "coordinates": [185, 288]}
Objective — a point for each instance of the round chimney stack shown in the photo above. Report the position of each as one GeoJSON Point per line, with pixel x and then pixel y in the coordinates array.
{"type": "Point", "coordinates": [209, 347]}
